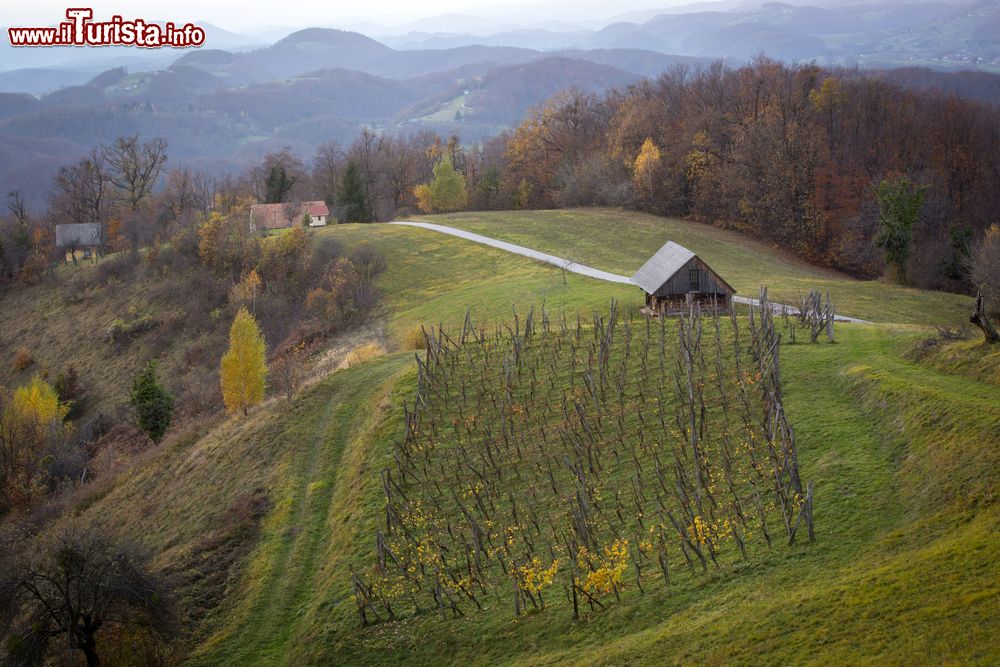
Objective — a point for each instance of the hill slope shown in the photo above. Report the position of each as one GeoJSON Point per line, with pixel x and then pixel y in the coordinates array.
{"type": "Point", "coordinates": [902, 450]}
{"type": "Point", "coordinates": [582, 235]}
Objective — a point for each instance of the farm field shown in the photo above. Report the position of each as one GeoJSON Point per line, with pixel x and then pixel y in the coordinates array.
{"type": "Point", "coordinates": [901, 448]}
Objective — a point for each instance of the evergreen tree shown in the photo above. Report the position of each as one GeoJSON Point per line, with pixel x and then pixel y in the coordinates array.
{"type": "Point", "coordinates": [899, 209]}
{"type": "Point", "coordinates": [277, 185]}
{"type": "Point", "coordinates": [153, 404]}
{"type": "Point", "coordinates": [243, 371]}
{"type": "Point", "coordinates": [352, 196]}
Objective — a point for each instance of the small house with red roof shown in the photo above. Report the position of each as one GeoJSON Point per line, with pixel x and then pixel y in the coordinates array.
{"type": "Point", "coordinates": [289, 214]}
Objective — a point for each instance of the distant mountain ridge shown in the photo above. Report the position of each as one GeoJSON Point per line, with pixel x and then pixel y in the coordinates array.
{"type": "Point", "coordinates": [220, 110]}
{"type": "Point", "coordinates": [318, 48]}
{"type": "Point", "coordinates": [937, 33]}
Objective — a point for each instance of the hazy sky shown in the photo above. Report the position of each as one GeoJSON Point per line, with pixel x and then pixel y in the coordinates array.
{"type": "Point", "coordinates": [244, 14]}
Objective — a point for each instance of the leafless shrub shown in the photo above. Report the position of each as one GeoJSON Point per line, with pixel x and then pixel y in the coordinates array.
{"type": "Point", "coordinates": [22, 358]}
{"type": "Point", "coordinates": [118, 267]}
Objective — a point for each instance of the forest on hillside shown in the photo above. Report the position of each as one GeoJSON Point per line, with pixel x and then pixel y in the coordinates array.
{"type": "Point", "coordinates": [817, 161]}
{"type": "Point", "coordinates": [794, 155]}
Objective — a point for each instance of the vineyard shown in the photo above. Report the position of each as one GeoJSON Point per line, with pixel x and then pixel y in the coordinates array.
{"type": "Point", "coordinates": [559, 462]}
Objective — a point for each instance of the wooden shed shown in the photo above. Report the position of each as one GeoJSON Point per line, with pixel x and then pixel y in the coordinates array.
{"type": "Point", "coordinates": [675, 277]}
{"type": "Point", "coordinates": [84, 236]}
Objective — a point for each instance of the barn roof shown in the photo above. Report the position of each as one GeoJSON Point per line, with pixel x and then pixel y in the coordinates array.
{"type": "Point", "coordinates": [78, 234]}
{"type": "Point", "coordinates": [658, 269]}
{"type": "Point", "coordinates": [668, 260]}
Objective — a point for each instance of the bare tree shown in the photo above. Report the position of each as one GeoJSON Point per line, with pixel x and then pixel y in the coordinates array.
{"type": "Point", "coordinates": [288, 370]}
{"type": "Point", "coordinates": [290, 210]}
{"type": "Point", "coordinates": [280, 177]}
{"type": "Point", "coordinates": [365, 153]}
{"type": "Point", "coordinates": [226, 193]}
{"type": "Point", "coordinates": [984, 269]}
{"type": "Point", "coordinates": [328, 169]}
{"type": "Point", "coordinates": [982, 320]}
{"type": "Point", "coordinates": [133, 167]}
{"type": "Point", "coordinates": [398, 158]}
{"type": "Point", "coordinates": [369, 262]}
{"type": "Point", "coordinates": [80, 192]}
{"type": "Point", "coordinates": [187, 193]}
{"type": "Point", "coordinates": [73, 585]}
{"type": "Point", "coordinates": [15, 204]}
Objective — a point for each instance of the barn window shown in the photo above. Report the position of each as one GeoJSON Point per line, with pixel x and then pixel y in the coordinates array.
{"type": "Point", "coordinates": [695, 284]}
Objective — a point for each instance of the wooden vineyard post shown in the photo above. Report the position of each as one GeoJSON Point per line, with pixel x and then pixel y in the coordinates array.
{"type": "Point", "coordinates": [539, 452]}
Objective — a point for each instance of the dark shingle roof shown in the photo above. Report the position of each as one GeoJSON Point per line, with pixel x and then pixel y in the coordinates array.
{"type": "Point", "coordinates": [80, 235]}
{"type": "Point", "coordinates": [667, 261]}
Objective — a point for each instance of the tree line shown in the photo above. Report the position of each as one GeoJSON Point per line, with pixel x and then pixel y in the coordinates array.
{"type": "Point", "coordinates": [817, 161]}
{"type": "Point", "coordinates": [821, 162]}
{"type": "Point", "coordinates": [839, 168]}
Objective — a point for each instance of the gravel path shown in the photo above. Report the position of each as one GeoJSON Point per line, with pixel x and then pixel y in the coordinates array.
{"type": "Point", "coordinates": [566, 264]}
{"type": "Point", "coordinates": [574, 267]}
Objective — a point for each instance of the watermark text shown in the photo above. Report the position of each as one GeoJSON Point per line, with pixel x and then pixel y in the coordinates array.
{"type": "Point", "coordinates": [81, 30]}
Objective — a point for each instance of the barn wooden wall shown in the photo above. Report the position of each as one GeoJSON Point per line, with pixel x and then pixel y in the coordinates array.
{"type": "Point", "coordinates": [680, 282]}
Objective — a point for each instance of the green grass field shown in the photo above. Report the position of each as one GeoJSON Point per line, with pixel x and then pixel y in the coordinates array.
{"type": "Point", "coordinates": [903, 568]}
{"type": "Point", "coordinates": [433, 278]}
{"type": "Point", "coordinates": [621, 241]}
{"type": "Point", "coordinates": [903, 450]}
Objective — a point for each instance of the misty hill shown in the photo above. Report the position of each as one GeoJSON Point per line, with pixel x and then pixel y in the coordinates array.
{"type": "Point", "coordinates": [503, 95]}
{"type": "Point", "coordinates": [221, 110]}
{"type": "Point", "coordinates": [979, 86]}
{"type": "Point", "coordinates": [13, 104]}
{"type": "Point", "coordinates": [963, 33]}
{"type": "Point", "coordinates": [527, 38]}
{"type": "Point", "coordinates": [781, 31]}
{"type": "Point", "coordinates": [35, 81]}
{"type": "Point", "coordinates": [320, 48]}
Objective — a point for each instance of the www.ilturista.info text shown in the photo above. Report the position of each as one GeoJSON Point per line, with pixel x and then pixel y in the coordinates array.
{"type": "Point", "coordinates": [81, 30]}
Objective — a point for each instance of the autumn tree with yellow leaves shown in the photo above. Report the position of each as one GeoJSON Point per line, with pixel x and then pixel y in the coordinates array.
{"type": "Point", "coordinates": [446, 191]}
{"type": "Point", "coordinates": [245, 291]}
{"type": "Point", "coordinates": [644, 168]}
{"type": "Point", "coordinates": [243, 371]}
{"type": "Point", "coordinates": [31, 426]}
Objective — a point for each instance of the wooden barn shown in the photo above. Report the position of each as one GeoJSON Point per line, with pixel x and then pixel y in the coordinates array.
{"type": "Point", "coordinates": [85, 236]}
{"type": "Point", "coordinates": [675, 277]}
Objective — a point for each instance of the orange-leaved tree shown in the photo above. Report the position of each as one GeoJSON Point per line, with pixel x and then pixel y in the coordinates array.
{"type": "Point", "coordinates": [243, 371]}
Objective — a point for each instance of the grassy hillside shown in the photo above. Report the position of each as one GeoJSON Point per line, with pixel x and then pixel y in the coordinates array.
{"type": "Point", "coordinates": [902, 568]}
{"type": "Point", "coordinates": [621, 241]}
{"type": "Point", "coordinates": [433, 278]}
{"type": "Point", "coordinates": [65, 321]}
{"type": "Point", "coordinates": [901, 444]}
